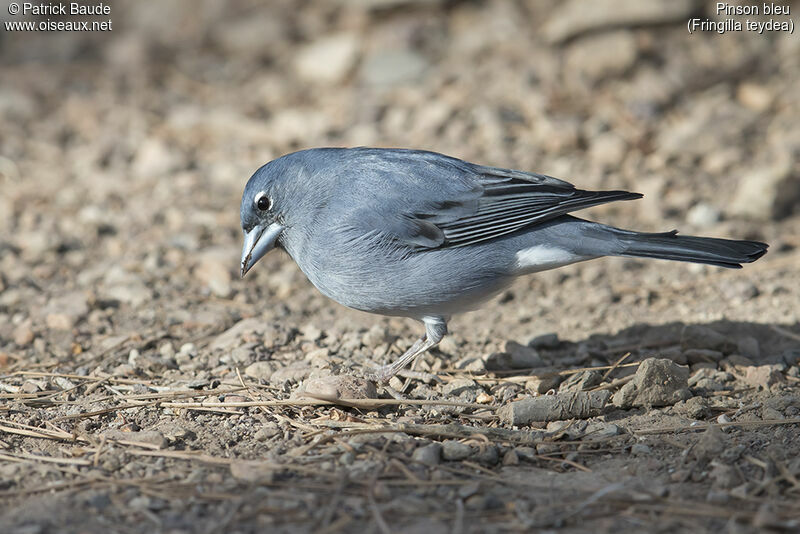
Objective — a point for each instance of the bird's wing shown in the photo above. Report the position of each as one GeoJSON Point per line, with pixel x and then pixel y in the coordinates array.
{"type": "Point", "coordinates": [512, 200]}
{"type": "Point", "coordinates": [426, 200]}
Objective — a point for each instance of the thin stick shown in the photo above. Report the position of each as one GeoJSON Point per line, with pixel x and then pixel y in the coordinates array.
{"type": "Point", "coordinates": [576, 465]}
{"type": "Point", "coordinates": [614, 367]}
{"type": "Point", "coordinates": [452, 430]}
{"type": "Point", "coordinates": [23, 456]}
{"type": "Point", "coordinates": [525, 378]}
{"type": "Point", "coordinates": [784, 332]}
{"type": "Point", "coordinates": [350, 403]}
{"type": "Point", "coordinates": [215, 460]}
{"type": "Point", "coordinates": [743, 424]}
{"type": "Point", "coordinates": [613, 384]}
{"type": "Point", "coordinates": [376, 513]}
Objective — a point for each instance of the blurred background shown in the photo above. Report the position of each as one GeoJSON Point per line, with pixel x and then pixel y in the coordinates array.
{"type": "Point", "coordinates": [123, 155]}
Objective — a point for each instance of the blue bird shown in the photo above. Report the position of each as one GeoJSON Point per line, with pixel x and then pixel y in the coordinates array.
{"type": "Point", "coordinates": [418, 234]}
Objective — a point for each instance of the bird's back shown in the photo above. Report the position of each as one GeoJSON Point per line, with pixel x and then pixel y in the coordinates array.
{"type": "Point", "coordinates": [367, 243]}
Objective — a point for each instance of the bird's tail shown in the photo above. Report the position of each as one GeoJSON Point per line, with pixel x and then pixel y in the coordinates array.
{"type": "Point", "coordinates": [671, 246]}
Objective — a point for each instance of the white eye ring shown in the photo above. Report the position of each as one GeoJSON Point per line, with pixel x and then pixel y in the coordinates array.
{"type": "Point", "coordinates": [262, 202]}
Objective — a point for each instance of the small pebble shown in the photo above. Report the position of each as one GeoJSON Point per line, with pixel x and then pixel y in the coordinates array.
{"type": "Point", "coordinates": [23, 334]}
{"type": "Point", "coordinates": [510, 458]}
{"type": "Point", "coordinates": [430, 454]}
{"type": "Point", "coordinates": [455, 450]}
{"type": "Point", "coordinates": [723, 419]}
{"type": "Point", "coordinates": [487, 454]}
{"type": "Point", "coordinates": [167, 350]}
{"type": "Point", "coordinates": [545, 341]}
{"type": "Point", "coordinates": [266, 432]}
{"type": "Point", "coordinates": [484, 398]}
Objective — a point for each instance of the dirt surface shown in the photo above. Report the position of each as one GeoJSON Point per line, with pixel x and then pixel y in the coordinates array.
{"type": "Point", "coordinates": [145, 388]}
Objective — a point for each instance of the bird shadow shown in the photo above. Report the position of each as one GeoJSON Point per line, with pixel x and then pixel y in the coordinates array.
{"type": "Point", "coordinates": [762, 343]}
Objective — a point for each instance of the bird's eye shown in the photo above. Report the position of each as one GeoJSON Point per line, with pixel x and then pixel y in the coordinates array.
{"type": "Point", "coordinates": [263, 202]}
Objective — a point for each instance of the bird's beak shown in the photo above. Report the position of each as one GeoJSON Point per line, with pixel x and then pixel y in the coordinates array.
{"type": "Point", "coordinates": [257, 242]}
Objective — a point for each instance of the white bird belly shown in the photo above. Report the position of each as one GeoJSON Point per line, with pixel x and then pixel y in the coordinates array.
{"type": "Point", "coordinates": [543, 257]}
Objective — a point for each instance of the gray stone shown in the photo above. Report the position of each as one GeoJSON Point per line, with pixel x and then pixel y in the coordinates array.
{"type": "Point", "coordinates": [459, 386]}
{"type": "Point", "coordinates": [545, 341]}
{"type": "Point", "coordinates": [125, 287]}
{"type": "Point", "coordinates": [260, 370]}
{"type": "Point", "coordinates": [703, 215]}
{"type": "Point", "coordinates": [31, 386]}
{"type": "Point", "coordinates": [739, 290]}
{"type": "Point", "coordinates": [453, 450]}
{"type": "Point", "coordinates": [601, 56]}
{"type": "Point", "coordinates": [393, 67]}
{"type": "Point", "coordinates": [526, 453]}
{"type": "Point", "coordinates": [694, 356]}
{"type": "Point", "coordinates": [311, 332]}
{"type": "Point", "coordinates": [554, 407]}
{"type": "Point", "coordinates": [768, 191]}
{"type": "Point", "coordinates": [705, 381]}
{"type": "Point", "coordinates": [709, 445]}
{"type": "Point", "coordinates": [166, 350]}
{"type": "Point", "coordinates": [724, 476]}
{"type": "Point", "coordinates": [510, 457]}
{"type": "Point", "coordinates": [472, 365]}
{"type": "Point", "coordinates": [430, 454]}
{"type": "Point", "coordinates": [513, 356]}
{"type": "Point", "coordinates": [328, 59]}
{"type": "Point", "coordinates": [544, 382]}
{"type": "Point", "coordinates": [487, 454]}
{"type": "Point", "coordinates": [336, 387]}
{"type": "Point", "coordinates": [597, 430]}
{"type": "Point", "coordinates": [214, 270]}
{"type": "Point", "coordinates": [64, 311]}
{"type": "Point", "coordinates": [581, 381]}
{"type": "Point", "coordinates": [657, 382]}
{"type": "Point", "coordinates": [699, 374]}
{"type": "Point", "coordinates": [756, 97]}
{"type": "Point", "coordinates": [695, 336]}
{"type": "Point", "coordinates": [269, 430]}
{"type": "Point", "coordinates": [257, 34]}
{"type": "Point", "coordinates": [376, 336]}
{"type": "Point", "coordinates": [576, 17]}
{"type": "Point", "coordinates": [238, 333]}
{"type": "Point", "coordinates": [749, 347]}
{"type": "Point", "coordinates": [252, 471]}
{"type": "Point", "coordinates": [762, 376]}
{"type": "Point", "coordinates": [153, 159]}
{"type": "Point", "coordinates": [697, 408]}
{"type": "Point", "coordinates": [293, 373]}
{"type": "Point", "coordinates": [151, 437]}
{"type": "Point", "coordinates": [23, 333]}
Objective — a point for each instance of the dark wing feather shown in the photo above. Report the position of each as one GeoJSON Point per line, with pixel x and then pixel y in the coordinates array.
{"type": "Point", "coordinates": [504, 215]}
{"type": "Point", "coordinates": [427, 200]}
{"type": "Point", "coordinates": [511, 200]}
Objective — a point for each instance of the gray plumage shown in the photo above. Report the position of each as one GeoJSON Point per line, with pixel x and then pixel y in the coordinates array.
{"type": "Point", "coordinates": [422, 235]}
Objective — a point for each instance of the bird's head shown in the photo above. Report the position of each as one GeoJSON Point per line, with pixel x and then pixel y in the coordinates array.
{"type": "Point", "coordinates": [262, 213]}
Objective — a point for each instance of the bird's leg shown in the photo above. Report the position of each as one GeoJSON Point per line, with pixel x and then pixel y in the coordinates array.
{"type": "Point", "coordinates": [435, 330]}
{"type": "Point", "coordinates": [412, 374]}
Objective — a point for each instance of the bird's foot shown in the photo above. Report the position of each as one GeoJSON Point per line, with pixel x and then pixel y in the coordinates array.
{"type": "Point", "coordinates": [422, 376]}
{"type": "Point", "coordinates": [396, 395]}
{"type": "Point", "coordinates": [381, 375]}
{"type": "Point", "coordinates": [336, 387]}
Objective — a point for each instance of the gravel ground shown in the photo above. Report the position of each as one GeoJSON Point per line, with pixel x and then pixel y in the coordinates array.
{"type": "Point", "coordinates": [144, 387]}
